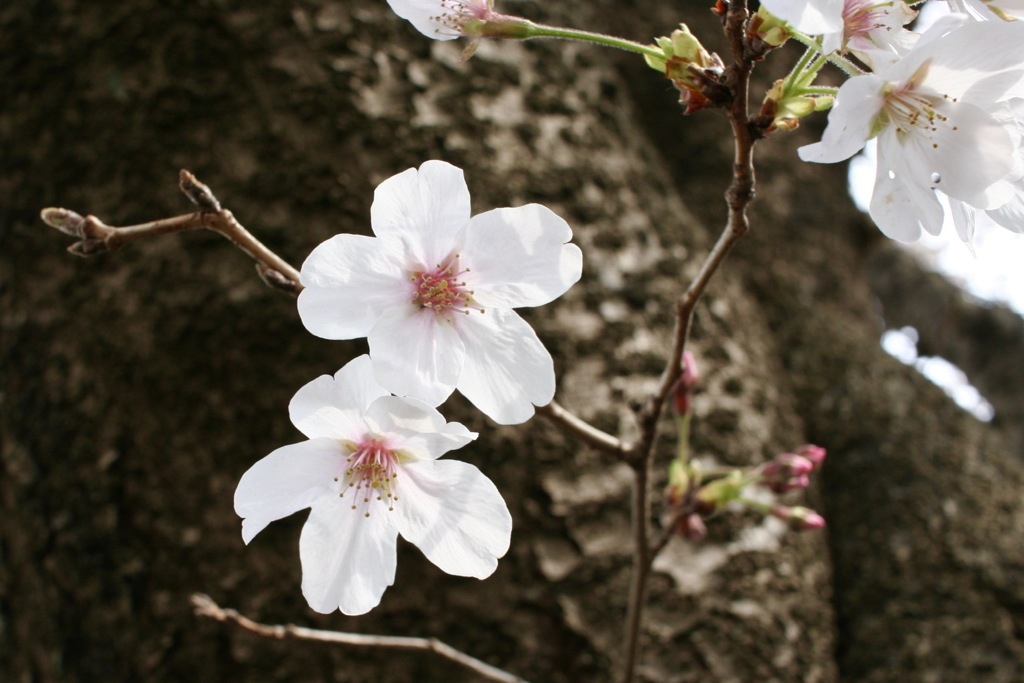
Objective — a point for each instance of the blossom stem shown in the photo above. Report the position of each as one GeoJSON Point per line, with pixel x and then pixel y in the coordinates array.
{"type": "Point", "coordinates": [763, 508]}
{"type": "Point", "coordinates": [844, 64]}
{"type": "Point", "coordinates": [800, 67]}
{"type": "Point", "coordinates": [542, 31]}
{"type": "Point", "coordinates": [206, 607]}
{"type": "Point", "coordinates": [96, 237]}
{"type": "Point", "coordinates": [819, 90]}
{"type": "Point", "coordinates": [683, 446]}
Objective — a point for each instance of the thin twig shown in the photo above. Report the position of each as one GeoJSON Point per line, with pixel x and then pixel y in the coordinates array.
{"type": "Point", "coordinates": [668, 531]}
{"type": "Point", "coordinates": [642, 560]}
{"type": "Point", "coordinates": [96, 237]}
{"type": "Point", "coordinates": [738, 196]}
{"type": "Point", "coordinates": [580, 428]}
{"type": "Point", "coordinates": [206, 607]}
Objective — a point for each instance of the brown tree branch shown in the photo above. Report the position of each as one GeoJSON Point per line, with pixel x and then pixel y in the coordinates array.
{"type": "Point", "coordinates": [738, 196]}
{"type": "Point", "coordinates": [96, 237]}
{"type": "Point", "coordinates": [206, 607]}
{"type": "Point", "coordinates": [580, 428]}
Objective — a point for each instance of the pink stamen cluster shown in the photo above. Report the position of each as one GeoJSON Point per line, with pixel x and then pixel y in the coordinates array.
{"type": "Point", "coordinates": [442, 291]}
{"type": "Point", "coordinates": [455, 13]}
{"type": "Point", "coordinates": [370, 472]}
{"type": "Point", "coordinates": [861, 17]}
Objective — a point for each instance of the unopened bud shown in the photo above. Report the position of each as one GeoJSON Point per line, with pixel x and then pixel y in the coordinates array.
{"type": "Point", "coordinates": [799, 518]}
{"type": "Point", "coordinates": [816, 454]}
{"type": "Point", "coordinates": [784, 110]}
{"type": "Point", "coordinates": [679, 482]}
{"type": "Point", "coordinates": [199, 193]}
{"type": "Point", "coordinates": [718, 493]}
{"type": "Point", "coordinates": [695, 72]}
{"type": "Point", "coordinates": [682, 393]}
{"type": "Point", "coordinates": [693, 527]}
{"type": "Point", "coordinates": [65, 220]}
{"type": "Point", "coordinates": [768, 30]}
{"type": "Point", "coordinates": [786, 472]}
{"type": "Point", "coordinates": [89, 247]}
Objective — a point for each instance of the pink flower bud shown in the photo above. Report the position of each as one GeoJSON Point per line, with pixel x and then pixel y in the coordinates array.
{"type": "Point", "coordinates": [682, 393]}
{"type": "Point", "coordinates": [693, 528]}
{"type": "Point", "coordinates": [786, 472]}
{"type": "Point", "coordinates": [799, 518]}
{"type": "Point", "coordinates": [816, 454]}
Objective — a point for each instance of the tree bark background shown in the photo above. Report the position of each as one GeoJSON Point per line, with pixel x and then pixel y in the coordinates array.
{"type": "Point", "coordinates": [138, 386]}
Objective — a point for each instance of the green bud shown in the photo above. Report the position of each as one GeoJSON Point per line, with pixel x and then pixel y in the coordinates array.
{"type": "Point", "coordinates": [679, 51]}
{"type": "Point", "coordinates": [786, 109]}
{"type": "Point", "coordinates": [769, 29]}
{"type": "Point", "coordinates": [722, 491]}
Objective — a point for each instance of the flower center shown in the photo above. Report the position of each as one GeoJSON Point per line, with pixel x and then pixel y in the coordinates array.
{"type": "Point", "coordinates": [861, 17]}
{"type": "Point", "coordinates": [442, 290]}
{"type": "Point", "coordinates": [455, 13]}
{"type": "Point", "coordinates": [371, 472]}
{"type": "Point", "coordinates": [909, 109]}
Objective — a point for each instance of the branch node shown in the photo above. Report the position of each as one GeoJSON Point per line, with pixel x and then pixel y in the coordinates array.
{"type": "Point", "coordinates": [197, 192]}
{"type": "Point", "coordinates": [89, 247]}
{"type": "Point", "coordinates": [277, 280]}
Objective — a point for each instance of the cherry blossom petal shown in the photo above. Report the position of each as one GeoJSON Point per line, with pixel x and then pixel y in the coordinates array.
{"type": "Point", "coordinates": [519, 257]}
{"type": "Point", "coordinates": [964, 221]}
{"type": "Point", "coordinates": [416, 354]}
{"type": "Point", "coordinates": [507, 369]}
{"type": "Point", "coordinates": [432, 446]}
{"type": "Point", "coordinates": [422, 211]}
{"type": "Point", "coordinates": [849, 123]}
{"type": "Point", "coordinates": [874, 31]}
{"type": "Point", "coordinates": [454, 515]}
{"type": "Point", "coordinates": [971, 153]}
{"type": "Point", "coordinates": [348, 559]}
{"type": "Point", "coordinates": [899, 207]}
{"type": "Point", "coordinates": [969, 53]}
{"type": "Point", "coordinates": [416, 429]}
{"type": "Point", "coordinates": [286, 481]}
{"type": "Point", "coordinates": [809, 16]}
{"type": "Point", "coordinates": [1005, 10]}
{"type": "Point", "coordinates": [332, 406]}
{"type": "Point", "coordinates": [348, 280]}
{"type": "Point", "coordinates": [1011, 214]}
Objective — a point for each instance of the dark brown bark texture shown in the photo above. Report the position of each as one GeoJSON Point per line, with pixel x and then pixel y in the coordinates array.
{"type": "Point", "coordinates": [138, 386]}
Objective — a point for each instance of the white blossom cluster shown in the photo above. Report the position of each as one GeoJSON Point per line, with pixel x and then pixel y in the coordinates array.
{"type": "Point", "coordinates": [434, 292]}
{"type": "Point", "coordinates": [946, 107]}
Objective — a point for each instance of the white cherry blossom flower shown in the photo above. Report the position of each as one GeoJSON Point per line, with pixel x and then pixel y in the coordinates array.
{"type": "Point", "coordinates": [1011, 214]}
{"type": "Point", "coordinates": [443, 19]}
{"type": "Point", "coordinates": [814, 17]}
{"type": "Point", "coordinates": [433, 293]}
{"type": "Point", "coordinates": [873, 30]}
{"type": "Point", "coordinates": [939, 116]}
{"type": "Point", "coordinates": [370, 471]}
